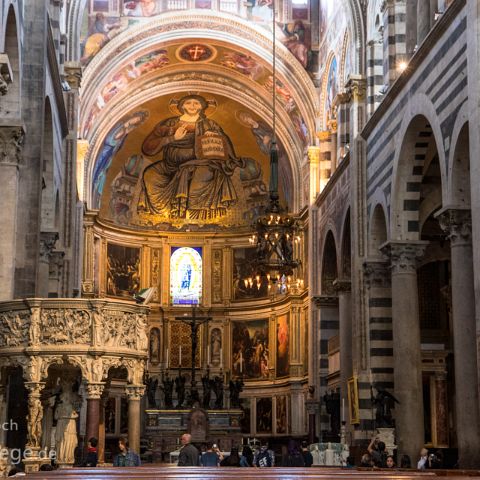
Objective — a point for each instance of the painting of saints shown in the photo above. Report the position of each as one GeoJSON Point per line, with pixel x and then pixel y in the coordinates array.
{"type": "Point", "coordinates": [112, 144]}
{"type": "Point", "coordinates": [264, 415]}
{"type": "Point", "coordinates": [99, 34]}
{"type": "Point", "coordinates": [282, 346]}
{"type": "Point", "coordinates": [194, 161]}
{"type": "Point", "coordinates": [281, 414]}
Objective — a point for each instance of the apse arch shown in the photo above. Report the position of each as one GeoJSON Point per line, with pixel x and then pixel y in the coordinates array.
{"type": "Point", "coordinates": [378, 230]}
{"type": "Point", "coordinates": [329, 265]}
{"type": "Point", "coordinates": [346, 247]}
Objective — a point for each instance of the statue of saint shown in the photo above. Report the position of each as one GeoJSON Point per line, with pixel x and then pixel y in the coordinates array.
{"type": "Point", "coordinates": [152, 385]}
{"type": "Point", "coordinates": [218, 390]}
{"type": "Point", "coordinates": [167, 387]}
{"type": "Point", "coordinates": [207, 383]}
{"type": "Point", "coordinates": [236, 388]}
{"type": "Point", "coordinates": [180, 389]}
{"type": "Point", "coordinates": [384, 401]}
{"type": "Point", "coordinates": [66, 431]}
{"type": "Point", "coordinates": [34, 421]}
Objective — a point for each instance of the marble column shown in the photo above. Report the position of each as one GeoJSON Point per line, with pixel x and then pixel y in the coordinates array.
{"type": "Point", "coordinates": [313, 409]}
{"type": "Point", "coordinates": [134, 395]}
{"type": "Point", "coordinates": [441, 409]}
{"type": "Point", "coordinates": [406, 345]}
{"type": "Point", "coordinates": [344, 291]}
{"type": "Point", "coordinates": [11, 144]}
{"type": "Point", "coordinates": [34, 427]}
{"type": "Point", "coordinates": [94, 393]}
{"type": "Point", "coordinates": [457, 223]}
{"type": "Point", "coordinates": [423, 20]}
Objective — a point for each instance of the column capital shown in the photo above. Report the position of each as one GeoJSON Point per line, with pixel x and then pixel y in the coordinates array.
{"type": "Point", "coordinates": [94, 390]}
{"type": "Point", "coordinates": [11, 143]}
{"type": "Point", "coordinates": [342, 285]}
{"type": "Point", "coordinates": [457, 223]}
{"type": "Point", "coordinates": [47, 244]}
{"type": "Point", "coordinates": [404, 255]}
{"type": "Point", "coordinates": [325, 301]}
{"type": "Point", "coordinates": [323, 136]}
{"type": "Point", "coordinates": [313, 153]}
{"type": "Point", "coordinates": [73, 74]}
{"type": "Point", "coordinates": [35, 388]}
{"type": "Point", "coordinates": [134, 392]}
{"type": "Point", "coordinates": [356, 86]}
{"type": "Point", "coordinates": [376, 273]}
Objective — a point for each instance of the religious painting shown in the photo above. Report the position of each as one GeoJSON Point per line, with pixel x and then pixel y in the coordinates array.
{"type": "Point", "coordinates": [260, 11]}
{"type": "Point", "coordinates": [332, 86]}
{"type": "Point", "coordinates": [123, 270]}
{"type": "Point", "coordinates": [250, 349]}
{"type": "Point", "coordinates": [112, 144]}
{"type": "Point", "coordinates": [281, 414]}
{"type": "Point", "coordinates": [264, 415]}
{"type": "Point", "coordinates": [246, 287]}
{"type": "Point", "coordinates": [154, 346]}
{"type": "Point", "coordinates": [283, 346]}
{"type": "Point", "coordinates": [300, 9]}
{"type": "Point", "coordinates": [142, 8]}
{"type": "Point", "coordinates": [296, 37]}
{"type": "Point", "coordinates": [353, 404]}
{"type": "Point", "coordinates": [245, 422]}
{"type": "Point", "coordinates": [186, 277]}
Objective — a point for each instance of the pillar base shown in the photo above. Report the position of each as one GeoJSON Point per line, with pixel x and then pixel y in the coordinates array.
{"type": "Point", "coordinates": [33, 460]}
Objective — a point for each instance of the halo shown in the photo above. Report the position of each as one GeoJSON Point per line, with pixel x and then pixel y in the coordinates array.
{"type": "Point", "coordinates": [242, 122]}
{"type": "Point", "coordinates": [211, 104]}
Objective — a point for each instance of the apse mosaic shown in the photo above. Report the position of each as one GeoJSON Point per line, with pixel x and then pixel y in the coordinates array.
{"type": "Point", "coordinates": [123, 270]}
{"type": "Point", "coordinates": [186, 276]}
{"type": "Point", "coordinates": [189, 159]}
{"type": "Point", "coordinates": [250, 349]}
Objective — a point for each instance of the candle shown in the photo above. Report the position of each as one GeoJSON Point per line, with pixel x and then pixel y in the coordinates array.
{"type": "Point", "coordinates": [221, 358]}
{"type": "Point", "coordinates": [241, 362]}
{"type": "Point", "coordinates": [343, 409]}
{"type": "Point", "coordinates": [209, 359]}
{"type": "Point", "coordinates": [371, 377]}
{"type": "Point", "coordinates": [167, 358]}
{"type": "Point", "coordinates": [180, 355]}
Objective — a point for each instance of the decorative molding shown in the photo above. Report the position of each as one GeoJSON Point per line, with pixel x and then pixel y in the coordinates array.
{"type": "Point", "coordinates": [356, 86]}
{"type": "Point", "coordinates": [47, 244]}
{"type": "Point", "coordinates": [134, 392]}
{"type": "Point", "coordinates": [94, 390]}
{"type": "Point", "coordinates": [325, 301]}
{"type": "Point", "coordinates": [342, 286]}
{"type": "Point", "coordinates": [73, 74]}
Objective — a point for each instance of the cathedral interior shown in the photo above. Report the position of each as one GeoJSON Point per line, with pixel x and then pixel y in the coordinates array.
{"type": "Point", "coordinates": [244, 219]}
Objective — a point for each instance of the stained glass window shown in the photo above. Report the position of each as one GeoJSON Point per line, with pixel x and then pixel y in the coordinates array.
{"type": "Point", "coordinates": [185, 275]}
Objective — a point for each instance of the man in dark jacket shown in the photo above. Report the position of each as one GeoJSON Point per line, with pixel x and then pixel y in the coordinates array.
{"type": "Point", "coordinates": [189, 456]}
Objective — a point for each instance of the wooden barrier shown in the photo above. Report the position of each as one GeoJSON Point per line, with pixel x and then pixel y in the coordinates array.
{"type": "Point", "coordinates": [153, 472]}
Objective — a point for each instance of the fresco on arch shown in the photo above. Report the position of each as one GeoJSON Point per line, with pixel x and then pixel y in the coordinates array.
{"type": "Point", "coordinates": [194, 160]}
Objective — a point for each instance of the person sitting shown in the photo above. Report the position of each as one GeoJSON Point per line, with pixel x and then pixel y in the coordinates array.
{"type": "Point", "coordinates": [233, 460]}
{"type": "Point", "coordinates": [246, 460]}
{"type": "Point", "coordinates": [295, 457]}
{"type": "Point", "coordinates": [366, 461]}
{"type": "Point", "coordinates": [210, 458]}
{"type": "Point", "coordinates": [376, 449]}
{"type": "Point", "coordinates": [405, 462]}
{"type": "Point", "coordinates": [307, 456]}
{"type": "Point", "coordinates": [422, 463]}
{"type": "Point", "coordinates": [126, 457]}
{"type": "Point", "coordinates": [263, 458]}
{"type": "Point", "coordinates": [91, 459]}
{"type": "Point", "coordinates": [390, 463]}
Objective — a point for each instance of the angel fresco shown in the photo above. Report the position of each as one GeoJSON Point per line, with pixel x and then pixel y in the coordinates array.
{"type": "Point", "coordinates": [193, 164]}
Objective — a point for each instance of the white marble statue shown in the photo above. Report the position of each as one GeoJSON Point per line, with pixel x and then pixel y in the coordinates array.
{"type": "Point", "coordinates": [66, 432]}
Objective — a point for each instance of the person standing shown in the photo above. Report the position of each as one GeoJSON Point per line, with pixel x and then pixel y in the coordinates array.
{"type": "Point", "coordinates": [189, 455]}
{"type": "Point", "coordinates": [126, 457]}
{"type": "Point", "coordinates": [307, 456]}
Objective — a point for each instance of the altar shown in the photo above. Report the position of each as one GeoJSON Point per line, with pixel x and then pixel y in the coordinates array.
{"type": "Point", "coordinates": [164, 428]}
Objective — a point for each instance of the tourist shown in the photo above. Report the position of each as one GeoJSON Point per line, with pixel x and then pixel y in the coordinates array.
{"type": "Point", "coordinates": [189, 456]}
{"type": "Point", "coordinates": [233, 460]}
{"type": "Point", "coordinates": [126, 457]}
{"type": "Point", "coordinates": [422, 463]}
{"type": "Point", "coordinates": [366, 461]}
{"type": "Point", "coordinates": [91, 459]}
{"type": "Point", "coordinates": [211, 457]}
{"type": "Point", "coordinates": [390, 463]}
{"type": "Point", "coordinates": [246, 460]}
{"type": "Point", "coordinates": [263, 458]}
{"type": "Point", "coordinates": [376, 449]}
{"type": "Point", "coordinates": [295, 457]}
{"type": "Point", "coordinates": [405, 462]}
{"type": "Point", "coordinates": [307, 455]}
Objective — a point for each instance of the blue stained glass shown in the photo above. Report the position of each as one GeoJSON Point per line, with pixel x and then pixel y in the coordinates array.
{"type": "Point", "coordinates": [186, 275]}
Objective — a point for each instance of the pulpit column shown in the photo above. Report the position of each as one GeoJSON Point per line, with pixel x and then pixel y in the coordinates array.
{"type": "Point", "coordinates": [94, 393]}
{"type": "Point", "coordinates": [32, 459]}
{"type": "Point", "coordinates": [458, 225]}
{"type": "Point", "coordinates": [134, 395]}
{"type": "Point", "coordinates": [406, 345]}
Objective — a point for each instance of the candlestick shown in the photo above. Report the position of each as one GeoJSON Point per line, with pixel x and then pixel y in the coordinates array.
{"type": "Point", "coordinates": [180, 355]}
{"type": "Point", "coordinates": [221, 357]}
{"type": "Point", "coordinates": [241, 362]}
{"type": "Point", "coordinates": [209, 358]}
{"type": "Point", "coordinates": [343, 409]}
{"type": "Point", "coordinates": [167, 359]}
